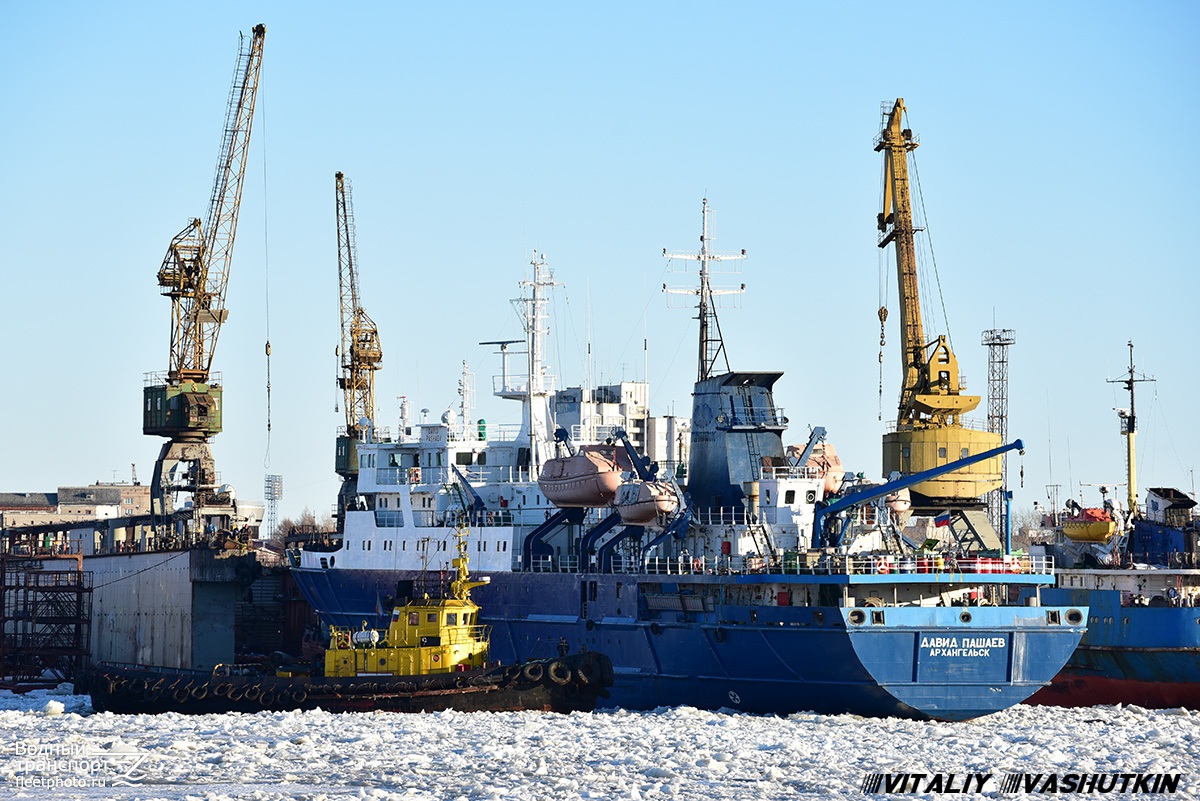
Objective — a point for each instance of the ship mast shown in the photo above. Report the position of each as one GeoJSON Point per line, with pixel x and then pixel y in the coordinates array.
{"type": "Point", "coordinates": [712, 346]}
{"type": "Point", "coordinates": [1129, 430]}
{"type": "Point", "coordinates": [533, 312]}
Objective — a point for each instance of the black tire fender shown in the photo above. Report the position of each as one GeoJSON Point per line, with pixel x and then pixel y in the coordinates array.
{"type": "Point", "coordinates": [533, 671]}
{"type": "Point", "coordinates": [559, 672]}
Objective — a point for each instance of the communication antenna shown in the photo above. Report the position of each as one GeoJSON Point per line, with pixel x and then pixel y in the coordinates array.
{"type": "Point", "coordinates": [712, 346]}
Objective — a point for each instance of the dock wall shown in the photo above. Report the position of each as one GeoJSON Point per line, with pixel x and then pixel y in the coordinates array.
{"type": "Point", "coordinates": [169, 608]}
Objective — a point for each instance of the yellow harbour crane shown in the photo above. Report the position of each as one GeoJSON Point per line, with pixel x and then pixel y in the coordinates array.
{"type": "Point", "coordinates": [361, 354]}
{"type": "Point", "coordinates": [930, 431]}
{"type": "Point", "coordinates": [184, 404]}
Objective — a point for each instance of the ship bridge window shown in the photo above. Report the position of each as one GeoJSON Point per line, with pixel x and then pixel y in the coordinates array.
{"type": "Point", "coordinates": [463, 458]}
{"type": "Point", "coordinates": [431, 617]}
{"type": "Point", "coordinates": [789, 498]}
{"type": "Point", "coordinates": [451, 619]}
{"type": "Point", "coordinates": [941, 453]}
{"type": "Point", "coordinates": [414, 618]}
{"type": "Point", "coordinates": [966, 452]}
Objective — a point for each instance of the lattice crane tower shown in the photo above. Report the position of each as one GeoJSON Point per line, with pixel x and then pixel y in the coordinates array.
{"type": "Point", "coordinates": [998, 341]}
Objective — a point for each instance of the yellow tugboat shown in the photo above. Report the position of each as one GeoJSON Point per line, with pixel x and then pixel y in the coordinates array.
{"type": "Point", "coordinates": [440, 635]}
{"type": "Point", "coordinates": [432, 656]}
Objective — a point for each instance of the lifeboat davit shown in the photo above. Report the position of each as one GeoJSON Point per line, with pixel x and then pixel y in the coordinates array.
{"type": "Point", "coordinates": [588, 478]}
{"type": "Point", "coordinates": [642, 502]}
{"type": "Point", "coordinates": [825, 460]}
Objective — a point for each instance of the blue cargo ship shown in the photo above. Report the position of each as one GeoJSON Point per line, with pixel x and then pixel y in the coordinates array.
{"type": "Point", "coordinates": [745, 577]}
{"type": "Point", "coordinates": [1135, 566]}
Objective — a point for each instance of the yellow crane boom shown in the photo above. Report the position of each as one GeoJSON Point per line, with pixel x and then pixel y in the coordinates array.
{"type": "Point", "coordinates": [929, 428]}
{"type": "Point", "coordinates": [361, 352]}
{"type": "Point", "coordinates": [182, 404]}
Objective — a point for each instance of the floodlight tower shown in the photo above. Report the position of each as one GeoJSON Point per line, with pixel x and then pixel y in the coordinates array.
{"type": "Point", "coordinates": [998, 341]}
{"type": "Point", "coordinates": [273, 493]}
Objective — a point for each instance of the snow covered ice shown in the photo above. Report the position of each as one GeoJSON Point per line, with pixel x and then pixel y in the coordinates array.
{"type": "Point", "coordinates": [677, 754]}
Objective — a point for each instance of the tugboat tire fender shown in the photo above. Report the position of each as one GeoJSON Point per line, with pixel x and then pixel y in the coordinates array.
{"type": "Point", "coordinates": [236, 693]}
{"type": "Point", "coordinates": [559, 672]}
{"type": "Point", "coordinates": [200, 692]}
{"type": "Point", "coordinates": [511, 672]}
{"type": "Point", "coordinates": [586, 672]}
{"type": "Point", "coordinates": [299, 695]}
{"type": "Point", "coordinates": [252, 692]}
{"type": "Point", "coordinates": [222, 690]}
{"type": "Point", "coordinates": [137, 686]}
{"type": "Point", "coordinates": [460, 682]}
{"type": "Point", "coordinates": [267, 698]}
{"type": "Point", "coordinates": [181, 694]}
{"type": "Point", "coordinates": [533, 671]}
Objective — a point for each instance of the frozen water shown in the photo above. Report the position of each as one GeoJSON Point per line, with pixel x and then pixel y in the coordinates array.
{"type": "Point", "coordinates": [676, 754]}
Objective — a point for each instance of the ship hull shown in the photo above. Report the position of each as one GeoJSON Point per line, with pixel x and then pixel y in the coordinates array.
{"type": "Point", "coordinates": [912, 662]}
{"type": "Point", "coordinates": [1148, 656]}
{"type": "Point", "coordinates": [129, 689]}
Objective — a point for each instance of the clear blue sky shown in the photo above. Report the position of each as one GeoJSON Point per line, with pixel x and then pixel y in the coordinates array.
{"type": "Point", "coordinates": [1058, 165]}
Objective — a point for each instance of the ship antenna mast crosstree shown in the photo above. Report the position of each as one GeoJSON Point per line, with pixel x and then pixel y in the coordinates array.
{"type": "Point", "coordinates": [712, 345]}
{"type": "Point", "coordinates": [1129, 430]}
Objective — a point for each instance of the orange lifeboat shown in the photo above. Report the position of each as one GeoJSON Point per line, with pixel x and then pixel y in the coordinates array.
{"type": "Point", "coordinates": [899, 501]}
{"type": "Point", "coordinates": [590, 477]}
{"type": "Point", "coordinates": [1090, 525]}
{"type": "Point", "coordinates": [642, 502]}
{"type": "Point", "coordinates": [825, 460]}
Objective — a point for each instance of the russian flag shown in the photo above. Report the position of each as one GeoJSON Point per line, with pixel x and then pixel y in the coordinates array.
{"type": "Point", "coordinates": [942, 520]}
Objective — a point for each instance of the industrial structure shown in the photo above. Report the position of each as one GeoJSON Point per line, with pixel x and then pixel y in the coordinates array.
{"type": "Point", "coordinates": [929, 430]}
{"type": "Point", "coordinates": [184, 404]}
{"type": "Point", "coordinates": [45, 621]}
{"type": "Point", "coordinates": [361, 352]}
{"type": "Point", "coordinates": [998, 341]}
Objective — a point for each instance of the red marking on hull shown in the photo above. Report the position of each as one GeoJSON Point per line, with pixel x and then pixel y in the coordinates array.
{"type": "Point", "coordinates": [1069, 689]}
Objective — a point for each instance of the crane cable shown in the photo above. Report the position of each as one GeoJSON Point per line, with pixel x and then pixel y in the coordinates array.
{"type": "Point", "coordinates": [266, 279]}
{"type": "Point", "coordinates": [883, 312]}
{"type": "Point", "coordinates": [932, 257]}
